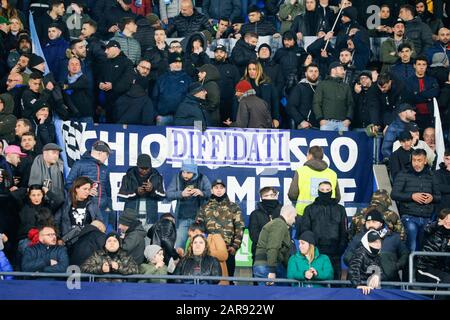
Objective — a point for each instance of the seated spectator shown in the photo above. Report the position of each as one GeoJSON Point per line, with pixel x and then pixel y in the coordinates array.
{"type": "Point", "coordinates": [132, 234]}
{"type": "Point", "coordinates": [164, 234]}
{"type": "Point", "coordinates": [404, 68]}
{"type": "Point", "coordinates": [221, 29]}
{"type": "Point", "coordinates": [195, 54]}
{"type": "Point", "coordinates": [5, 265]}
{"type": "Point", "coordinates": [192, 110]}
{"type": "Point", "coordinates": [393, 257]}
{"type": "Point", "coordinates": [43, 126]}
{"type": "Point", "coordinates": [308, 263]}
{"type": "Point", "coordinates": [52, 16]}
{"type": "Point", "coordinates": [443, 177]}
{"type": "Point", "coordinates": [32, 99]}
{"type": "Point", "coordinates": [417, 192]}
{"type": "Point", "coordinates": [236, 27]}
{"type": "Point", "coordinates": [244, 51]}
{"type": "Point", "coordinates": [258, 24]}
{"type": "Point", "coordinates": [253, 112]}
{"type": "Point", "coordinates": [289, 10]}
{"type": "Point", "coordinates": [15, 86]}
{"type": "Point", "coordinates": [418, 144]}
{"type": "Point", "coordinates": [384, 30]}
{"type": "Point", "coordinates": [328, 221]}
{"type": "Point", "coordinates": [437, 239]}
{"type": "Point", "coordinates": [400, 159]}
{"type": "Point", "coordinates": [364, 261]}
{"type": "Point", "coordinates": [157, 54]}
{"type": "Point", "coordinates": [429, 137]}
{"type": "Point", "coordinates": [198, 262]}
{"type": "Point", "coordinates": [28, 146]}
{"type": "Point", "coordinates": [367, 106]}
{"type": "Point", "coordinates": [266, 210]}
{"type": "Point", "coordinates": [13, 155]}
{"type": "Point", "coordinates": [191, 189]}
{"type": "Point", "coordinates": [55, 49]}
{"type": "Point", "coordinates": [90, 239]}
{"type": "Point", "coordinates": [154, 265]}
{"type": "Point", "coordinates": [46, 256]}
{"type": "Point", "coordinates": [129, 46]}
{"type": "Point", "coordinates": [188, 21]}
{"type": "Point", "coordinates": [79, 209]}
{"type": "Point", "coordinates": [18, 57]}
{"type": "Point", "coordinates": [274, 246]}
{"type": "Point", "coordinates": [7, 119]}
{"type": "Point", "coordinates": [112, 259]}
{"type": "Point", "coordinates": [134, 107]}
{"type": "Point", "coordinates": [441, 45]}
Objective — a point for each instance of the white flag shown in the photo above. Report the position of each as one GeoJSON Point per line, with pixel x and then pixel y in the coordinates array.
{"type": "Point", "coordinates": [439, 135]}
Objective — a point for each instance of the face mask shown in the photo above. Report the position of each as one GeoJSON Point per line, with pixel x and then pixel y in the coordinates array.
{"type": "Point", "coordinates": [219, 199]}
{"type": "Point", "coordinates": [375, 251]}
{"type": "Point", "coordinates": [325, 195]}
{"type": "Point", "coordinates": [269, 204]}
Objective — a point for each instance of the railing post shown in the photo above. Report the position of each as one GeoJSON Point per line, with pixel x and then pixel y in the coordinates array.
{"type": "Point", "coordinates": [411, 267]}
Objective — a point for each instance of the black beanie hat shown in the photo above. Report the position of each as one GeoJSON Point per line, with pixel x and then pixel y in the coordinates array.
{"type": "Point", "coordinates": [114, 235]}
{"type": "Point", "coordinates": [309, 237]}
{"type": "Point", "coordinates": [265, 45]}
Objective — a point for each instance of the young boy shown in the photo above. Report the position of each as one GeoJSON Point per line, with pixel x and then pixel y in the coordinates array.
{"type": "Point", "coordinates": [401, 158]}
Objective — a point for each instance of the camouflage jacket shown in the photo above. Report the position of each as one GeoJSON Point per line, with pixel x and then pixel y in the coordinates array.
{"type": "Point", "coordinates": [391, 219]}
{"type": "Point", "coordinates": [223, 217]}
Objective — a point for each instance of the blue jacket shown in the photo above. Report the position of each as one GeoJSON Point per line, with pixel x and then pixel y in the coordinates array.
{"type": "Point", "coordinates": [392, 134]}
{"type": "Point", "coordinates": [190, 110]}
{"type": "Point", "coordinates": [403, 70]}
{"type": "Point", "coordinates": [5, 266]}
{"type": "Point", "coordinates": [430, 91]}
{"type": "Point", "coordinates": [55, 54]}
{"type": "Point", "coordinates": [37, 259]}
{"type": "Point", "coordinates": [437, 47]}
{"type": "Point", "coordinates": [89, 167]}
{"type": "Point", "coordinates": [170, 90]}
{"type": "Point", "coordinates": [361, 53]}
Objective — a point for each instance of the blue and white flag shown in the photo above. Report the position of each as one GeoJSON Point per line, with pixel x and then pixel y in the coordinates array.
{"type": "Point", "coordinates": [439, 135]}
{"type": "Point", "coordinates": [36, 44]}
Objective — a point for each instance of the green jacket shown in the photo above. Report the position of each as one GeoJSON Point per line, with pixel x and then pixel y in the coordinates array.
{"type": "Point", "coordinates": [333, 100]}
{"type": "Point", "coordinates": [7, 119]}
{"type": "Point", "coordinates": [274, 245]}
{"type": "Point", "coordinates": [298, 265]}
{"type": "Point", "coordinates": [386, 50]}
{"type": "Point", "coordinates": [287, 9]}
{"type": "Point", "coordinates": [150, 269]}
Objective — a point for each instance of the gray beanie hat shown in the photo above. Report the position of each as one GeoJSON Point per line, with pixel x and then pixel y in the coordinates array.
{"type": "Point", "coordinates": [151, 251]}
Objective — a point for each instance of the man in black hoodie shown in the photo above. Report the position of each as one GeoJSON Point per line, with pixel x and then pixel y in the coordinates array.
{"type": "Point", "coordinates": [244, 51]}
{"type": "Point", "coordinates": [443, 177]}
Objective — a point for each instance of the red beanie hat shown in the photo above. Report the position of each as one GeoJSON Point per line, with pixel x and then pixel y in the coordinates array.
{"type": "Point", "coordinates": [33, 236]}
{"type": "Point", "coordinates": [243, 86]}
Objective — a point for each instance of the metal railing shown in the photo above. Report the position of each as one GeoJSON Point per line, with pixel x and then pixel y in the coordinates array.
{"type": "Point", "coordinates": [412, 255]}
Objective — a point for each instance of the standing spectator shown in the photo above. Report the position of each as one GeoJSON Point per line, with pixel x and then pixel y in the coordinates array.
{"type": "Point", "coordinates": [142, 187]}
{"type": "Point", "coordinates": [404, 68]}
{"type": "Point", "coordinates": [170, 90]}
{"type": "Point", "coordinates": [417, 192]}
{"type": "Point", "coordinates": [32, 98]}
{"type": "Point", "coordinates": [309, 263]}
{"type": "Point", "coordinates": [224, 217]}
{"type": "Point", "coordinates": [221, 29]}
{"type": "Point", "coordinates": [112, 259]}
{"type": "Point", "coordinates": [328, 221]}
{"type": "Point", "coordinates": [423, 89]}
{"type": "Point", "coordinates": [53, 16]}
{"type": "Point", "coordinates": [22, 126]}
{"type": "Point", "coordinates": [132, 235]}
{"type": "Point", "coordinates": [428, 18]}
{"type": "Point", "coordinates": [90, 239]}
{"type": "Point", "coordinates": [274, 246]}
{"type": "Point", "coordinates": [7, 119]}
{"type": "Point", "coordinates": [110, 17]}
{"type": "Point", "coordinates": [258, 24]}
{"type": "Point", "coordinates": [95, 51]}
{"type": "Point", "coordinates": [289, 10]}
{"type": "Point", "coordinates": [168, 10]}
{"type": "Point", "coordinates": [191, 189]}
{"type": "Point", "coordinates": [384, 30]}
{"type": "Point", "coordinates": [253, 112]}
{"type": "Point", "coordinates": [79, 209]}
{"type": "Point", "coordinates": [188, 21]}
{"type": "Point", "coordinates": [135, 106]}
{"type": "Point", "coordinates": [442, 45]}
{"type": "Point", "coordinates": [359, 49]}
{"type": "Point", "coordinates": [443, 177]}
{"type": "Point", "coordinates": [418, 144]}
{"type": "Point", "coordinates": [389, 53]}
{"type": "Point", "coordinates": [209, 76]}
{"type": "Point", "coordinates": [270, 67]}
{"type": "Point", "coordinates": [266, 210]}
{"type": "Point", "coordinates": [333, 102]}
{"type": "Point", "coordinates": [76, 15]}
{"type": "Point", "coordinates": [46, 256]}
{"type": "Point", "coordinates": [215, 9]}
{"type": "Point", "coordinates": [164, 234]}
{"type": "Point", "coordinates": [229, 77]}
{"type": "Point", "coordinates": [306, 180]}
{"type": "Point", "coordinates": [400, 159]}
{"type": "Point", "coordinates": [307, 24]}
{"type": "Point", "coordinates": [42, 126]}
{"type": "Point", "coordinates": [195, 55]}
{"type": "Point", "coordinates": [47, 170]}
{"type": "Point", "coordinates": [437, 240]}
{"type": "Point", "coordinates": [129, 46]}
{"type": "Point", "coordinates": [367, 105]}
{"type": "Point", "coordinates": [350, 28]}
{"type": "Point", "coordinates": [154, 265]}
{"type": "Point", "coordinates": [244, 51]}
{"type": "Point", "coordinates": [418, 32]}
{"type": "Point", "coordinates": [92, 165]}
{"type": "Point", "coordinates": [193, 108]}
{"type": "Point", "coordinates": [367, 255]}
{"type": "Point", "coordinates": [429, 137]}
{"type": "Point", "coordinates": [145, 33]}
{"type": "Point", "coordinates": [346, 60]}
{"type": "Point", "coordinates": [158, 53]}
{"type": "Point", "coordinates": [406, 114]}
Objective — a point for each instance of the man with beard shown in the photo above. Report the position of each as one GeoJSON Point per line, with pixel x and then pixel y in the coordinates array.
{"type": "Point", "coordinates": [367, 106]}
{"type": "Point", "coordinates": [416, 31]}
{"type": "Point", "coordinates": [23, 46]}
{"type": "Point", "coordinates": [141, 189]}
{"type": "Point", "coordinates": [428, 18]}
{"type": "Point", "coordinates": [229, 77]}
{"type": "Point", "coordinates": [442, 45]}
{"type": "Point", "coordinates": [244, 51]}
{"type": "Point", "coordinates": [78, 49]}
{"type": "Point", "coordinates": [94, 47]}
{"type": "Point", "coordinates": [299, 107]}
{"type": "Point", "coordinates": [346, 60]}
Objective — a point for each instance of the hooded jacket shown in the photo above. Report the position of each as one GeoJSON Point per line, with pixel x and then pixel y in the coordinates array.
{"type": "Point", "coordinates": [90, 240]}
{"type": "Point", "coordinates": [210, 84]}
{"type": "Point", "coordinates": [40, 172]}
{"type": "Point", "coordinates": [300, 103]}
{"type": "Point", "coordinates": [299, 264]}
{"type": "Point", "coordinates": [367, 107]}
{"type": "Point", "coordinates": [7, 119]}
{"type": "Point", "coordinates": [164, 234]}
{"type": "Point", "coordinates": [192, 61]}
{"type": "Point", "coordinates": [242, 54]}
{"type": "Point", "coordinates": [184, 26]}
{"type": "Point", "coordinates": [192, 109]}
{"type": "Point", "coordinates": [262, 28]}
{"type": "Point", "coordinates": [134, 241]}
{"type": "Point", "coordinates": [290, 59]}
{"type": "Point", "coordinates": [308, 23]}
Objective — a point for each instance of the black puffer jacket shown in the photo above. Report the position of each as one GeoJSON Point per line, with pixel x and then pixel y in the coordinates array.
{"type": "Point", "coordinates": [242, 54]}
{"type": "Point", "coordinates": [135, 107]}
{"type": "Point", "coordinates": [229, 77]}
{"type": "Point", "coordinates": [184, 26]}
{"type": "Point", "coordinates": [164, 234]}
{"type": "Point", "coordinates": [437, 239]}
{"type": "Point", "coordinates": [81, 96]}
{"type": "Point", "coordinates": [89, 241]}
{"type": "Point", "coordinates": [207, 266]}
{"type": "Point", "coordinates": [145, 34]}
{"type": "Point", "coordinates": [328, 220]}
{"type": "Point", "coordinates": [290, 60]}
{"type": "Point", "coordinates": [190, 110]}
{"type": "Point", "coordinates": [261, 28]}
{"type": "Point", "coordinates": [367, 107]}
{"type": "Point", "coordinates": [158, 58]}
{"type": "Point", "coordinates": [420, 34]}
{"type": "Point", "coordinates": [115, 71]}
{"type": "Point", "coordinates": [275, 73]}
{"type": "Point", "coordinates": [408, 182]}
{"type": "Point", "coordinates": [360, 262]}
{"type": "Point", "coordinates": [443, 178]}
{"type": "Point", "coordinates": [299, 107]}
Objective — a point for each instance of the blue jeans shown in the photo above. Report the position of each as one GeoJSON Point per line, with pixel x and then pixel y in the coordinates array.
{"type": "Point", "coordinates": [334, 125]}
{"type": "Point", "coordinates": [263, 272]}
{"type": "Point", "coordinates": [165, 120]}
{"type": "Point", "coordinates": [182, 232]}
{"type": "Point", "coordinates": [414, 231]}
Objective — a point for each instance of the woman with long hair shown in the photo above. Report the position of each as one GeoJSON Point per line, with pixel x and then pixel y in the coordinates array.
{"type": "Point", "coordinates": [264, 88]}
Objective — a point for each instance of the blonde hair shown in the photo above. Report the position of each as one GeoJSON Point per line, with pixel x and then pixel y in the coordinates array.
{"type": "Point", "coordinates": [310, 254]}
{"type": "Point", "coordinates": [261, 77]}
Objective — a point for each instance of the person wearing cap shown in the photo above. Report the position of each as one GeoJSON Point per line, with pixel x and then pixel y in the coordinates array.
{"type": "Point", "coordinates": [125, 37]}
{"type": "Point", "coordinates": [13, 154]}
{"type": "Point", "coordinates": [253, 112]}
{"type": "Point", "coordinates": [395, 254]}
{"type": "Point", "coordinates": [191, 189]}
{"type": "Point", "coordinates": [109, 18]}
{"type": "Point", "coordinates": [423, 89]}
{"type": "Point", "coordinates": [258, 24]}
{"type": "Point", "coordinates": [366, 261]}
{"type": "Point", "coordinates": [441, 45]}
{"type": "Point", "coordinates": [111, 259]}
{"type": "Point", "coordinates": [222, 216]}
{"type": "Point", "coordinates": [92, 165]}
{"type": "Point", "coordinates": [350, 28]}
{"type": "Point", "coordinates": [367, 105]}
{"type": "Point", "coordinates": [416, 30]}
{"type": "Point", "coordinates": [132, 234]}
{"type": "Point", "coordinates": [327, 219]}
{"type": "Point", "coordinates": [170, 90]}
{"type": "Point", "coordinates": [141, 189]}
{"type": "Point", "coordinates": [333, 101]}
{"type": "Point", "coordinates": [271, 68]}
{"type": "Point", "coordinates": [229, 77]}
{"type": "Point", "coordinates": [406, 115]}
{"type": "Point", "coordinates": [274, 247]}
{"type": "Point", "coordinates": [48, 166]}
{"type": "Point", "coordinates": [308, 264]}
{"type": "Point", "coordinates": [404, 68]}
{"type": "Point", "coordinates": [52, 16]}
{"type": "Point", "coordinates": [193, 108]}
{"type": "Point", "coordinates": [188, 21]}
{"type": "Point", "coordinates": [400, 159]}
{"type": "Point", "coordinates": [389, 53]}
{"type": "Point", "coordinates": [154, 264]}
{"type": "Point", "coordinates": [417, 192]}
